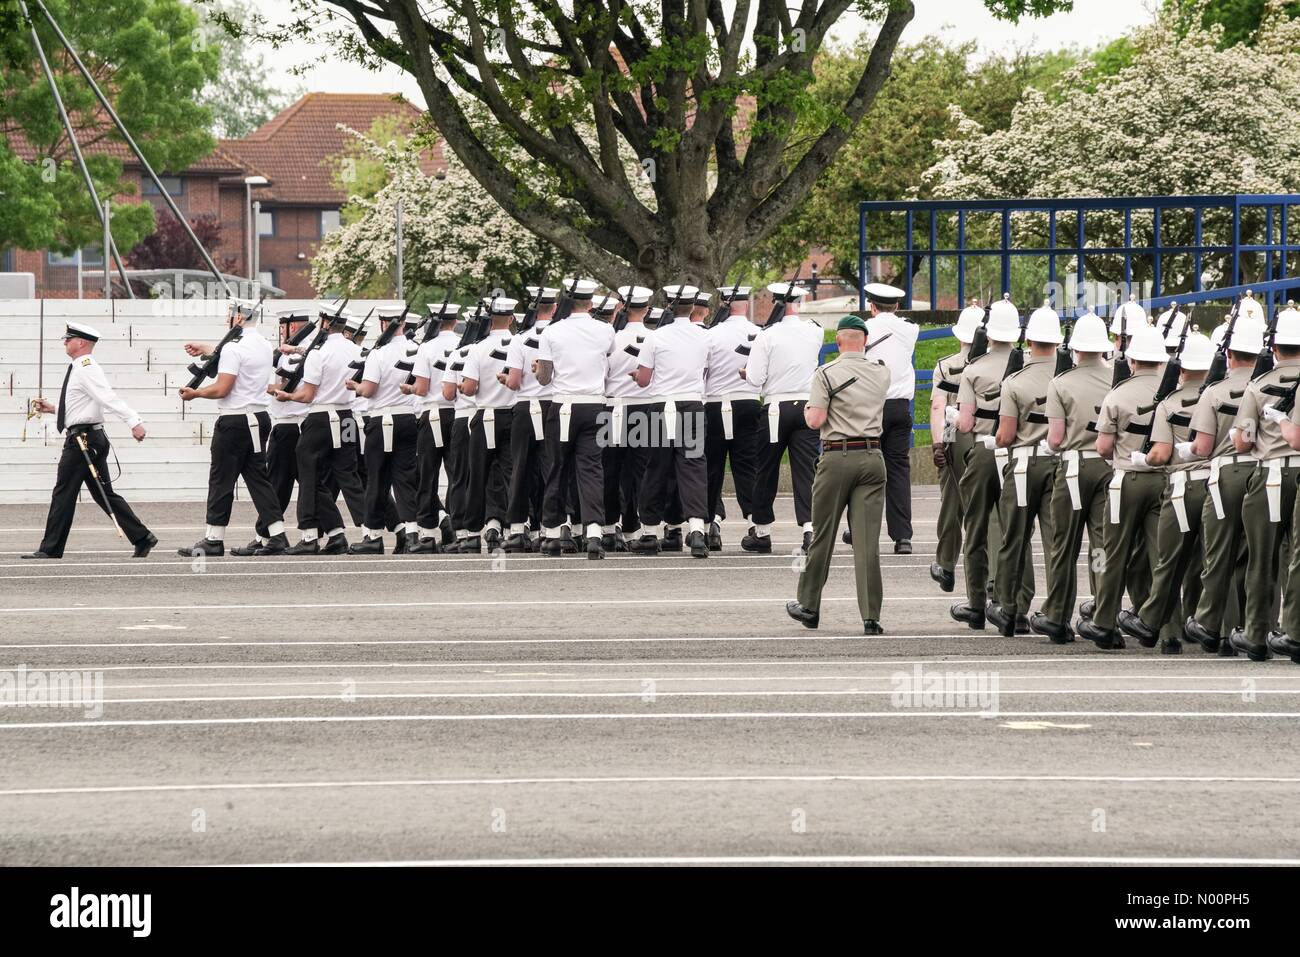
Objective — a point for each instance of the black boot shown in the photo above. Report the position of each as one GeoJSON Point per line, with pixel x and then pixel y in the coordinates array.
{"type": "Point", "coordinates": [367, 546]}
{"type": "Point", "coordinates": [847, 536]}
{"type": "Point", "coordinates": [552, 547]}
{"type": "Point", "coordinates": [753, 542]}
{"type": "Point", "coordinates": [275, 545]}
{"type": "Point", "coordinates": [304, 548]}
{"type": "Point", "coordinates": [871, 627]}
{"type": "Point", "coordinates": [244, 551]}
{"type": "Point", "coordinates": [595, 550]}
{"type": "Point", "coordinates": [903, 546]}
{"type": "Point", "coordinates": [424, 546]}
{"type": "Point", "coordinates": [1001, 619]}
{"type": "Point", "coordinates": [207, 547]}
{"type": "Point", "coordinates": [946, 579]}
{"type": "Point", "coordinates": [1056, 633]}
{"type": "Point", "coordinates": [448, 533]}
{"type": "Point", "coordinates": [471, 546]}
{"type": "Point", "coordinates": [1201, 635]}
{"type": "Point", "coordinates": [971, 616]}
{"type": "Point", "coordinates": [672, 541]}
{"type": "Point", "coordinates": [809, 619]}
{"type": "Point", "coordinates": [338, 545]}
{"type": "Point", "coordinates": [145, 545]}
{"type": "Point", "coordinates": [1106, 640]}
{"type": "Point", "coordinates": [492, 539]}
{"type": "Point", "coordinates": [715, 537]}
{"type": "Point", "coordinates": [516, 544]}
{"type": "Point", "coordinates": [1252, 651]}
{"type": "Point", "coordinates": [699, 545]}
{"type": "Point", "coordinates": [1135, 627]}
{"type": "Point", "coordinates": [645, 545]}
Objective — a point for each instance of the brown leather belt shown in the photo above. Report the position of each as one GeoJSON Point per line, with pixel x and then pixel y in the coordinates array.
{"type": "Point", "coordinates": [847, 445]}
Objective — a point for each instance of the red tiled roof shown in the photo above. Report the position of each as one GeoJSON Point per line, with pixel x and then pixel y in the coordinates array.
{"type": "Point", "coordinates": [218, 162]}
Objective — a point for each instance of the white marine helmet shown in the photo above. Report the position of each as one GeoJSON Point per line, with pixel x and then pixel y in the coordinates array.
{"type": "Point", "coordinates": [1147, 345]}
{"type": "Point", "coordinates": [1251, 309]}
{"type": "Point", "coordinates": [967, 323]}
{"type": "Point", "coordinates": [1247, 339]}
{"type": "Point", "coordinates": [1172, 320]}
{"type": "Point", "coordinates": [1288, 326]}
{"type": "Point", "coordinates": [1197, 352]}
{"type": "Point", "coordinates": [1130, 317]}
{"type": "Point", "coordinates": [1044, 326]}
{"type": "Point", "coordinates": [1173, 329]}
{"type": "Point", "coordinates": [1004, 321]}
{"type": "Point", "coordinates": [1089, 334]}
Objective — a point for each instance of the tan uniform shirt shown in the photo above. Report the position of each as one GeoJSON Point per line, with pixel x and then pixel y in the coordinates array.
{"type": "Point", "coordinates": [1075, 396]}
{"type": "Point", "coordinates": [947, 382]}
{"type": "Point", "coordinates": [1126, 414]}
{"type": "Point", "coordinates": [1024, 395]}
{"type": "Point", "coordinates": [1172, 423]}
{"type": "Point", "coordinates": [1261, 393]}
{"type": "Point", "coordinates": [857, 408]}
{"type": "Point", "coordinates": [981, 385]}
{"type": "Point", "coordinates": [1217, 410]}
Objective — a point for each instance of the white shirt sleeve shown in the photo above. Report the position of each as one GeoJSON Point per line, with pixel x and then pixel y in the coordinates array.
{"type": "Point", "coordinates": [756, 368]}
{"type": "Point", "coordinates": [471, 370]}
{"type": "Point", "coordinates": [228, 364]}
{"type": "Point", "coordinates": [313, 367]}
{"type": "Point", "coordinates": [515, 353]}
{"type": "Point", "coordinates": [647, 357]}
{"type": "Point", "coordinates": [97, 383]}
{"type": "Point", "coordinates": [544, 352]}
{"type": "Point", "coordinates": [372, 370]}
{"type": "Point", "coordinates": [422, 367]}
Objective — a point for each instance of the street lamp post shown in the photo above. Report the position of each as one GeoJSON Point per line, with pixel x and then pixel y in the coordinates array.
{"type": "Point", "coordinates": [249, 183]}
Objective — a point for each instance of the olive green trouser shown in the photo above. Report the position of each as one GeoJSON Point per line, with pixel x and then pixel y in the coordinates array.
{"type": "Point", "coordinates": [981, 529]}
{"type": "Point", "coordinates": [1067, 537]}
{"type": "Point", "coordinates": [1223, 581]}
{"type": "Point", "coordinates": [855, 480]}
{"type": "Point", "coordinates": [1130, 546]}
{"type": "Point", "coordinates": [1176, 581]}
{"type": "Point", "coordinates": [1264, 541]}
{"type": "Point", "coordinates": [1016, 554]}
{"type": "Point", "coordinates": [1291, 592]}
{"type": "Point", "coordinates": [948, 528]}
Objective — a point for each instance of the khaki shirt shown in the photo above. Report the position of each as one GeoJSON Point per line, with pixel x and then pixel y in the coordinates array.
{"type": "Point", "coordinates": [1126, 414]}
{"type": "Point", "coordinates": [1217, 410]}
{"type": "Point", "coordinates": [947, 382]}
{"type": "Point", "coordinates": [1075, 396]}
{"type": "Point", "coordinates": [857, 409]}
{"type": "Point", "coordinates": [1172, 423]}
{"type": "Point", "coordinates": [981, 386]}
{"type": "Point", "coordinates": [1024, 396]}
{"type": "Point", "coordinates": [1261, 393]}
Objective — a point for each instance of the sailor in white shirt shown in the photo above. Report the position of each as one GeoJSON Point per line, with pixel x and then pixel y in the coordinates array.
{"type": "Point", "coordinates": [528, 425]}
{"type": "Point", "coordinates": [83, 398]}
{"type": "Point", "coordinates": [296, 328]}
{"type": "Point", "coordinates": [458, 447]}
{"type": "Point", "coordinates": [894, 343]}
{"type": "Point", "coordinates": [671, 366]}
{"type": "Point", "coordinates": [239, 437]}
{"type": "Point", "coordinates": [781, 364]}
{"type": "Point", "coordinates": [437, 417]}
{"type": "Point", "coordinates": [327, 458]}
{"type": "Point", "coordinates": [732, 408]}
{"type": "Point", "coordinates": [491, 427]}
{"type": "Point", "coordinates": [573, 359]}
{"type": "Point", "coordinates": [627, 405]}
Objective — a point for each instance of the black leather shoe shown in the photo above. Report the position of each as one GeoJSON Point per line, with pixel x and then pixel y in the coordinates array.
{"type": "Point", "coordinates": [645, 545]}
{"type": "Point", "coordinates": [1106, 640]}
{"type": "Point", "coordinates": [806, 547]}
{"type": "Point", "coordinates": [516, 544]}
{"type": "Point", "coordinates": [971, 616]}
{"type": "Point", "coordinates": [1251, 651]}
{"type": "Point", "coordinates": [1057, 634]}
{"type": "Point", "coordinates": [699, 545]}
{"type": "Point", "coordinates": [871, 627]}
{"type": "Point", "coordinates": [145, 546]}
{"type": "Point", "coordinates": [401, 546]}
{"type": "Point", "coordinates": [1226, 648]}
{"type": "Point", "coordinates": [1171, 646]}
{"type": "Point", "coordinates": [471, 546]}
{"type": "Point", "coordinates": [1201, 635]}
{"type": "Point", "coordinates": [1087, 608]}
{"type": "Point", "coordinates": [1135, 627]}
{"type": "Point", "coordinates": [367, 546]}
{"type": "Point", "coordinates": [567, 545]}
{"type": "Point", "coordinates": [1281, 644]}
{"type": "Point", "coordinates": [595, 551]}
{"type": "Point", "coordinates": [945, 579]}
{"type": "Point", "coordinates": [337, 545]}
{"type": "Point", "coordinates": [412, 540]}
{"type": "Point", "coordinates": [809, 619]}
{"type": "Point", "coordinates": [492, 539]}
{"type": "Point", "coordinates": [608, 542]}
{"type": "Point", "coordinates": [760, 544]}
{"type": "Point", "coordinates": [43, 556]}
{"type": "Point", "coordinates": [448, 533]}
{"type": "Point", "coordinates": [903, 546]}
{"type": "Point", "coordinates": [846, 536]}
{"type": "Point", "coordinates": [715, 537]}
{"type": "Point", "coordinates": [244, 551]}
{"type": "Point", "coordinates": [424, 546]}
{"type": "Point", "coordinates": [1005, 623]}
{"type": "Point", "coordinates": [206, 547]}
{"type": "Point", "coordinates": [275, 545]}
{"type": "Point", "coordinates": [1022, 624]}
{"type": "Point", "coordinates": [304, 548]}
{"type": "Point", "coordinates": [672, 541]}
{"type": "Point", "coordinates": [620, 542]}
{"type": "Point", "coordinates": [552, 547]}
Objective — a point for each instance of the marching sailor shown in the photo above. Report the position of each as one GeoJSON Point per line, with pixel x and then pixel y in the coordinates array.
{"type": "Point", "coordinates": [895, 339]}
{"type": "Point", "coordinates": [528, 432]}
{"type": "Point", "coordinates": [286, 421]}
{"type": "Point", "coordinates": [83, 398]}
{"type": "Point", "coordinates": [490, 429]}
{"type": "Point", "coordinates": [627, 405]}
{"type": "Point", "coordinates": [437, 417]}
{"type": "Point", "coordinates": [733, 409]}
{"type": "Point", "coordinates": [458, 447]}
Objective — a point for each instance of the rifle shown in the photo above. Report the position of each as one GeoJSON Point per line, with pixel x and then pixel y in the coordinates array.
{"type": "Point", "coordinates": [565, 306]}
{"type": "Point", "coordinates": [1122, 371]}
{"type": "Point", "coordinates": [1265, 361]}
{"type": "Point", "coordinates": [979, 342]}
{"type": "Point", "coordinates": [290, 379]}
{"type": "Point", "coordinates": [620, 317]}
{"type": "Point", "coordinates": [724, 305]}
{"type": "Point", "coordinates": [1219, 364]}
{"type": "Point", "coordinates": [1016, 361]}
{"type": "Point", "coordinates": [530, 314]}
{"type": "Point", "coordinates": [1064, 357]}
{"type": "Point", "coordinates": [1174, 367]}
{"type": "Point", "coordinates": [779, 307]}
{"type": "Point", "coordinates": [208, 368]}
{"type": "Point", "coordinates": [359, 364]}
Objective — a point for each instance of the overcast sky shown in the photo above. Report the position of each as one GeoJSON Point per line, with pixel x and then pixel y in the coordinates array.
{"type": "Point", "coordinates": [1091, 23]}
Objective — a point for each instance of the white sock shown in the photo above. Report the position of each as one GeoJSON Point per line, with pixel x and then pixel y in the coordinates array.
{"type": "Point", "coordinates": [411, 527]}
{"type": "Point", "coordinates": [594, 530]}
{"type": "Point", "coordinates": [334, 531]}
{"type": "Point", "coordinates": [309, 535]}
{"type": "Point", "coordinates": [441, 516]}
{"type": "Point", "coordinates": [552, 532]}
{"type": "Point", "coordinates": [493, 523]}
{"type": "Point", "coordinates": [717, 519]}
{"type": "Point", "coordinates": [426, 532]}
{"type": "Point", "coordinates": [654, 531]}
{"type": "Point", "coordinates": [215, 533]}
{"type": "Point", "coordinates": [807, 526]}
{"type": "Point", "coordinates": [608, 529]}
{"type": "Point", "coordinates": [461, 534]}
{"type": "Point", "coordinates": [763, 531]}
{"type": "Point", "coordinates": [697, 524]}
{"type": "Point", "coordinates": [518, 528]}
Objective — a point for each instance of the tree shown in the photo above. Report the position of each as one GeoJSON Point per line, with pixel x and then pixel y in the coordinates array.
{"type": "Point", "coordinates": [168, 247]}
{"type": "Point", "coordinates": [242, 96]}
{"type": "Point", "coordinates": [145, 56]}
{"type": "Point", "coordinates": [708, 105]}
{"type": "Point", "coordinates": [1240, 19]}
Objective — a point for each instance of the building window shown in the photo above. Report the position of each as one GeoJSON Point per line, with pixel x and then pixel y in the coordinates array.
{"type": "Point", "coordinates": [175, 186]}
{"type": "Point", "coordinates": [90, 256]}
{"type": "Point", "coordinates": [267, 277]}
{"type": "Point", "coordinates": [266, 223]}
{"type": "Point", "coordinates": [329, 221]}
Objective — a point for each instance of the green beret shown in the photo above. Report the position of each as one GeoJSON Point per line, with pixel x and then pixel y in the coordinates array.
{"type": "Point", "coordinates": [852, 322]}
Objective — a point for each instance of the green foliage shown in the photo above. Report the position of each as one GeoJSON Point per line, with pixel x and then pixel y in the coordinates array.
{"type": "Point", "coordinates": [242, 96]}
{"type": "Point", "coordinates": [1240, 19]}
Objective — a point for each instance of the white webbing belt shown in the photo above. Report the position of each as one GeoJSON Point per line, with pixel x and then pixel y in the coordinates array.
{"type": "Point", "coordinates": [249, 412]}
{"type": "Point", "coordinates": [435, 425]}
{"type": "Point", "coordinates": [1072, 459]}
{"type": "Point", "coordinates": [490, 427]}
{"type": "Point", "coordinates": [1000, 459]}
{"type": "Point", "coordinates": [728, 429]}
{"type": "Point", "coordinates": [774, 411]}
{"type": "Point", "coordinates": [566, 403]}
{"type": "Point", "coordinates": [535, 415]}
{"type": "Point", "coordinates": [1273, 489]}
{"type": "Point", "coordinates": [1115, 488]}
{"type": "Point", "coordinates": [1216, 465]}
{"type": "Point", "coordinates": [386, 422]}
{"type": "Point", "coordinates": [670, 412]}
{"type": "Point", "coordinates": [1178, 494]}
{"type": "Point", "coordinates": [332, 411]}
{"type": "Point", "coordinates": [1020, 474]}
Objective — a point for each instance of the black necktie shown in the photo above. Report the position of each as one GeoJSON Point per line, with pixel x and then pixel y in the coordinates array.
{"type": "Point", "coordinates": [63, 401]}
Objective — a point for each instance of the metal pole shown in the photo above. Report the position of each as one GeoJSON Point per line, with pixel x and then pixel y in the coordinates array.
{"type": "Point", "coordinates": [400, 285]}
{"type": "Point", "coordinates": [81, 291]}
{"type": "Point", "coordinates": [252, 225]}
{"type": "Point", "coordinates": [256, 271]}
{"type": "Point", "coordinates": [121, 128]}
{"type": "Point", "coordinates": [108, 241]}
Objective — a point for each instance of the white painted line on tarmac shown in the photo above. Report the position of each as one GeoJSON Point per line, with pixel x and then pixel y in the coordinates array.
{"type": "Point", "coordinates": [801, 859]}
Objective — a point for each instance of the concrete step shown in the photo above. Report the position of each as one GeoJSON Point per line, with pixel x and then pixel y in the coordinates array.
{"type": "Point", "coordinates": [190, 432]}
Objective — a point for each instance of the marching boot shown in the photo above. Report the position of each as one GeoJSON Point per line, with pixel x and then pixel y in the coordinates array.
{"type": "Point", "coordinates": [206, 547]}
{"type": "Point", "coordinates": [244, 551]}
{"type": "Point", "coordinates": [145, 546]}
{"type": "Point", "coordinates": [424, 546]}
{"type": "Point", "coordinates": [516, 543]}
{"type": "Point", "coordinates": [847, 536]}
{"type": "Point", "coordinates": [595, 550]}
{"type": "Point", "coordinates": [672, 541]}
{"type": "Point", "coordinates": [1254, 652]}
{"type": "Point", "coordinates": [1280, 643]}
{"type": "Point", "coordinates": [492, 539]}
{"type": "Point", "coordinates": [338, 545]}
{"type": "Point", "coordinates": [1103, 639]}
{"type": "Point", "coordinates": [871, 627]}
{"type": "Point", "coordinates": [402, 545]}
{"type": "Point", "coordinates": [1135, 627]}
{"type": "Point", "coordinates": [367, 546]}
{"type": "Point", "coordinates": [620, 541]}
{"type": "Point", "coordinates": [645, 545]}
{"type": "Point", "coordinates": [1022, 624]}
{"type": "Point", "coordinates": [1003, 622]}
{"type": "Point", "coordinates": [471, 546]}
{"type": "Point", "coordinates": [971, 616]}
{"type": "Point", "coordinates": [567, 545]}
{"type": "Point", "coordinates": [304, 548]}
{"type": "Point", "coordinates": [1201, 635]}
{"type": "Point", "coordinates": [1171, 646]}
{"type": "Point", "coordinates": [275, 545]}
{"type": "Point", "coordinates": [753, 542]}
{"type": "Point", "coordinates": [1056, 633]}
{"type": "Point", "coordinates": [552, 547]}
{"type": "Point", "coordinates": [715, 537]}
{"type": "Point", "coordinates": [609, 542]}
{"type": "Point", "coordinates": [809, 619]}
{"type": "Point", "coordinates": [699, 545]}
{"type": "Point", "coordinates": [42, 556]}
{"type": "Point", "coordinates": [945, 579]}
{"type": "Point", "coordinates": [903, 546]}
{"type": "Point", "coordinates": [448, 533]}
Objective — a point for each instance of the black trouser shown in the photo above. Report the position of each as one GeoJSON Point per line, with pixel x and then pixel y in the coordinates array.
{"type": "Point", "coordinates": [72, 472]}
{"type": "Point", "coordinates": [896, 443]}
{"type": "Point", "coordinates": [677, 468]}
{"type": "Point", "coordinates": [747, 424]}
{"type": "Point", "coordinates": [390, 475]}
{"type": "Point", "coordinates": [458, 473]}
{"type": "Point", "coordinates": [282, 463]}
{"type": "Point", "coordinates": [576, 461]}
{"type": "Point", "coordinates": [793, 434]}
{"type": "Point", "coordinates": [489, 470]}
{"type": "Point", "coordinates": [430, 458]}
{"type": "Point", "coordinates": [324, 471]}
{"type": "Point", "coordinates": [527, 466]}
{"type": "Point", "coordinates": [233, 458]}
{"type": "Point", "coordinates": [622, 475]}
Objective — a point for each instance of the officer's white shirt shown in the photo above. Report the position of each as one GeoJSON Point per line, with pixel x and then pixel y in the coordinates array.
{"type": "Point", "coordinates": [523, 350]}
{"type": "Point", "coordinates": [454, 374]}
{"type": "Point", "coordinates": [251, 360]}
{"type": "Point", "coordinates": [381, 369]}
{"type": "Point", "coordinates": [626, 356]}
{"type": "Point", "coordinates": [431, 363]}
{"type": "Point", "coordinates": [579, 349]}
{"type": "Point", "coordinates": [678, 353]}
{"type": "Point", "coordinates": [896, 353]}
{"type": "Point", "coordinates": [723, 377]}
{"type": "Point", "coordinates": [784, 358]}
{"type": "Point", "coordinates": [482, 366]}
{"type": "Point", "coordinates": [327, 369]}
{"type": "Point", "coordinates": [89, 396]}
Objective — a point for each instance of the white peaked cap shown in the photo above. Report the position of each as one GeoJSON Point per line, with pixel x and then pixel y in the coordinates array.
{"type": "Point", "coordinates": [82, 331]}
{"type": "Point", "coordinates": [636, 296]}
{"type": "Point", "coordinates": [1197, 352]}
{"type": "Point", "coordinates": [970, 319]}
{"type": "Point", "coordinates": [1147, 345]}
{"type": "Point", "coordinates": [787, 290]}
{"type": "Point", "coordinates": [1089, 334]}
{"type": "Point", "coordinates": [502, 306]}
{"type": "Point", "coordinates": [547, 293]}
{"type": "Point", "coordinates": [389, 313]}
{"type": "Point", "coordinates": [248, 308]}
{"type": "Point", "coordinates": [1044, 326]}
{"type": "Point", "coordinates": [733, 293]}
{"type": "Point", "coordinates": [681, 294]}
{"type": "Point", "coordinates": [1004, 321]}
{"type": "Point", "coordinates": [581, 288]}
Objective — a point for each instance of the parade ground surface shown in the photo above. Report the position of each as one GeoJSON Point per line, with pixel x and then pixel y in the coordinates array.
{"type": "Point", "coordinates": [454, 709]}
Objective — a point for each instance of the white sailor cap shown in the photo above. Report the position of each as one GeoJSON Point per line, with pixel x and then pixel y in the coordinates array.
{"type": "Point", "coordinates": [250, 309]}
{"type": "Point", "coordinates": [543, 295]}
{"type": "Point", "coordinates": [637, 297]}
{"type": "Point", "coordinates": [656, 313]}
{"type": "Point", "coordinates": [787, 291]}
{"type": "Point", "coordinates": [79, 330]}
{"type": "Point", "coordinates": [388, 314]}
{"type": "Point", "coordinates": [883, 294]}
{"type": "Point", "coordinates": [334, 310]}
{"type": "Point", "coordinates": [703, 298]}
{"type": "Point", "coordinates": [607, 304]}
{"type": "Point", "coordinates": [292, 315]}
{"type": "Point", "coordinates": [580, 288]}
{"type": "Point", "coordinates": [734, 293]}
{"type": "Point", "coordinates": [444, 312]}
{"type": "Point", "coordinates": [354, 322]}
{"type": "Point", "coordinates": [501, 306]}
{"type": "Point", "coordinates": [681, 293]}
